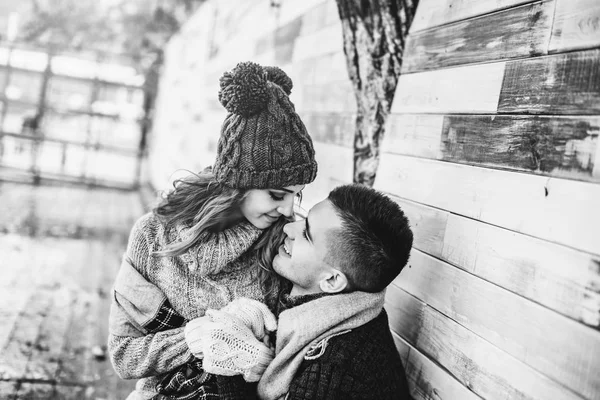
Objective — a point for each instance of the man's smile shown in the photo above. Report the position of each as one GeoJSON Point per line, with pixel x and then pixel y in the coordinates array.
{"type": "Point", "coordinates": [286, 249]}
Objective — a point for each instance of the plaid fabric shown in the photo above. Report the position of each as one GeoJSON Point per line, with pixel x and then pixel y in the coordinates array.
{"type": "Point", "coordinates": [188, 382]}
{"type": "Point", "coordinates": [166, 318]}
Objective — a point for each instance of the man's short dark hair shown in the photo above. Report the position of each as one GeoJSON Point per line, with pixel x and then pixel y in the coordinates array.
{"type": "Point", "coordinates": [374, 242]}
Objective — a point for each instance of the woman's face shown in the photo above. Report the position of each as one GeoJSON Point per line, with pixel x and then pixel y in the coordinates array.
{"type": "Point", "coordinates": [262, 207]}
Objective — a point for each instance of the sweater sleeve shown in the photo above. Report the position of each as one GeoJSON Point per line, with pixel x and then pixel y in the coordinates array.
{"type": "Point", "coordinates": [133, 353]}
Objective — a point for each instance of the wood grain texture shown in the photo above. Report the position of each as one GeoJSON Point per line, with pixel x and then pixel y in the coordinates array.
{"type": "Point", "coordinates": [330, 97]}
{"type": "Point", "coordinates": [473, 89]}
{"type": "Point", "coordinates": [517, 32]}
{"type": "Point", "coordinates": [529, 267]}
{"type": "Point", "coordinates": [546, 145]}
{"type": "Point", "coordinates": [519, 327]}
{"type": "Point", "coordinates": [557, 210]}
{"type": "Point", "coordinates": [427, 380]}
{"type": "Point", "coordinates": [431, 13]}
{"type": "Point", "coordinates": [576, 25]}
{"type": "Point", "coordinates": [566, 83]}
{"type": "Point", "coordinates": [479, 365]}
{"type": "Point", "coordinates": [332, 128]}
{"type": "Point", "coordinates": [323, 69]}
{"type": "Point", "coordinates": [324, 41]}
{"type": "Point", "coordinates": [335, 166]}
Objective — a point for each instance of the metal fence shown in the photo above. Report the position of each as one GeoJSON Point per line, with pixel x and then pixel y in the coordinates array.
{"type": "Point", "coordinates": [69, 118]}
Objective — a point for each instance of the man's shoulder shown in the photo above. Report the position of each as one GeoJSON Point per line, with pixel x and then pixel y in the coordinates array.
{"type": "Point", "coordinates": [370, 343]}
{"type": "Point", "coordinates": [356, 363]}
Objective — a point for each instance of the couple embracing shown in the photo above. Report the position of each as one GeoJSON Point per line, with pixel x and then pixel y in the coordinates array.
{"type": "Point", "coordinates": [223, 293]}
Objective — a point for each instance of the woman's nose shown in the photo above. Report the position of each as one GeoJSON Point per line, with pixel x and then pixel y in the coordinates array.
{"type": "Point", "coordinates": [287, 208]}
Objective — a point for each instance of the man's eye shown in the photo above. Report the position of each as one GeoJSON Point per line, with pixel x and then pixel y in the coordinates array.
{"type": "Point", "coordinates": [275, 197]}
{"type": "Point", "coordinates": [305, 234]}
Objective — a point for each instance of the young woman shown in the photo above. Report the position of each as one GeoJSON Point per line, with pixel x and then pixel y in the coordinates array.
{"type": "Point", "coordinates": [213, 237]}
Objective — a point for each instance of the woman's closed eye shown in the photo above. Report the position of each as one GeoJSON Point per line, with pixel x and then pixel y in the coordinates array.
{"type": "Point", "coordinates": [276, 196]}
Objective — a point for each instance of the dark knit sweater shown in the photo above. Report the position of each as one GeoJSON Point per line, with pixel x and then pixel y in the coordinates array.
{"type": "Point", "coordinates": [361, 364]}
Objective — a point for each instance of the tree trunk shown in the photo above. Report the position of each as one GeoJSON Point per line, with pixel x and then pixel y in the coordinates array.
{"type": "Point", "coordinates": [374, 33]}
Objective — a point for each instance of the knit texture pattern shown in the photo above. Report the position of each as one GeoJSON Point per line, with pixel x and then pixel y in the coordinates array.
{"type": "Point", "coordinates": [305, 325]}
{"type": "Point", "coordinates": [362, 364]}
{"type": "Point", "coordinates": [192, 285]}
{"type": "Point", "coordinates": [263, 143]}
{"type": "Point", "coordinates": [231, 348]}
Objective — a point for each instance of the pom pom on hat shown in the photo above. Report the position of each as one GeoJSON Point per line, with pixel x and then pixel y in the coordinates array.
{"type": "Point", "coordinates": [277, 76]}
{"type": "Point", "coordinates": [244, 90]}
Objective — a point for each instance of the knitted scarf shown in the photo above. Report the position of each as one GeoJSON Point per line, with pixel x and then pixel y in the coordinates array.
{"type": "Point", "coordinates": [303, 327]}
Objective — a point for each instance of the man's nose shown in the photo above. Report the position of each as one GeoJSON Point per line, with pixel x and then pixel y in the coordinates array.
{"type": "Point", "coordinates": [287, 208]}
{"type": "Point", "coordinates": [289, 229]}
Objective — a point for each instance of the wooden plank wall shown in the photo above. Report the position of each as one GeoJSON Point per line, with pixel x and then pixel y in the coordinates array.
{"type": "Point", "coordinates": [493, 151]}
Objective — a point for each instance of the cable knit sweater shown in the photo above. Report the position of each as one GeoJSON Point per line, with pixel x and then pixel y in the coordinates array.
{"type": "Point", "coordinates": [208, 276]}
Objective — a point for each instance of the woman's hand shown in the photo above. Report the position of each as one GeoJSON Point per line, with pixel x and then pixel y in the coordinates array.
{"type": "Point", "coordinates": [229, 340]}
{"type": "Point", "coordinates": [254, 314]}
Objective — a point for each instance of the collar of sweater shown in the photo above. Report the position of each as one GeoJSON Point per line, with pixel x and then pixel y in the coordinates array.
{"type": "Point", "coordinates": [286, 301]}
{"type": "Point", "coordinates": [302, 326]}
{"type": "Point", "coordinates": [216, 250]}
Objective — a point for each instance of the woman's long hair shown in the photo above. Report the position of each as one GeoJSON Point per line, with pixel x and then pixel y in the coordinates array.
{"type": "Point", "coordinates": [204, 205]}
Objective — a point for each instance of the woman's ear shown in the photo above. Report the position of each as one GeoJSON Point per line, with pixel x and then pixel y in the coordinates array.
{"type": "Point", "coordinates": [334, 282]}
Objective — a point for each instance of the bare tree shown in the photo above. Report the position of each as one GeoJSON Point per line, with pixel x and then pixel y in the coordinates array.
{"type": "Point", "coordinates": [374, 34]}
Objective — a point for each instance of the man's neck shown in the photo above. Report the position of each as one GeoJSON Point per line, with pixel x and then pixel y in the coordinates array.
{"type": "Point", "coordinates": [298, 291]}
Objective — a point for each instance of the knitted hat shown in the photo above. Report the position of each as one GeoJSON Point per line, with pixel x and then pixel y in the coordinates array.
{"type": "Point", "coordinates": [263, 142]}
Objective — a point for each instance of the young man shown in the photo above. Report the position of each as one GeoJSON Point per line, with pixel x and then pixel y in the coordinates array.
{"type": "Point", "coordinates": [333, 339]}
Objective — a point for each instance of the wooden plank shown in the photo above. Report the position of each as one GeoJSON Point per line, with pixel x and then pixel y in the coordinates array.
{"type": "Point", "coordinates": [332, 128]}
{"type": "Point", "coordinates": [428, 381]}
{"type": "Point", "coordinates": [480, 366]}
{"type": "Point", "coordinates": [414, 134]}
{"type": "Point", "coordinates": [432, 13]}
{"type": "Point", "coordinates": [557, 210]}
{"type": "Point", "coordinates": [529, 267]}
{"type": "Point", "coordinates": [546, 145]}
{"type": "Point", "coordinates": [515, 325]}
{"type": "Point", "coordinates": [566, 83]}
{"type": "Point", "coordinates": [428, 226]}
{"type": "Point", "coordinates": [517, 32]}
{"type": "Point", "coordinates": [402, 346]}
{"type": "Point", "coordinates": [473, 89]}
{"type": "Point", "coordinates": [335, 166]}
{"type": "Point", "coordinates": [576, 25]}
{"type": "Point", "coordinates": [319, 70]}
{"type": "Point", "coordinates": [324, 41]}
{"type": "Point", "coordinates": [331, 97]}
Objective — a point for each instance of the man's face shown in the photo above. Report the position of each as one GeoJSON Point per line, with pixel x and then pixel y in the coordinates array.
{"type": "Point", "coordinates": [301, 258]}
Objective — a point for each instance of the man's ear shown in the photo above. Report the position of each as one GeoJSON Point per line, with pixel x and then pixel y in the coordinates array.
{"type": "Point", "coordinates": [334, 282]}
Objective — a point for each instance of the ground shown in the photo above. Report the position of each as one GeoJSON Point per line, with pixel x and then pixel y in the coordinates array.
{"type": "Point", "coordinates": [60, 250]}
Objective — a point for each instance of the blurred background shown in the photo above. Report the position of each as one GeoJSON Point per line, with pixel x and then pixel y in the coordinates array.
{"type": "Point", "coordinates": [480, 118]}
